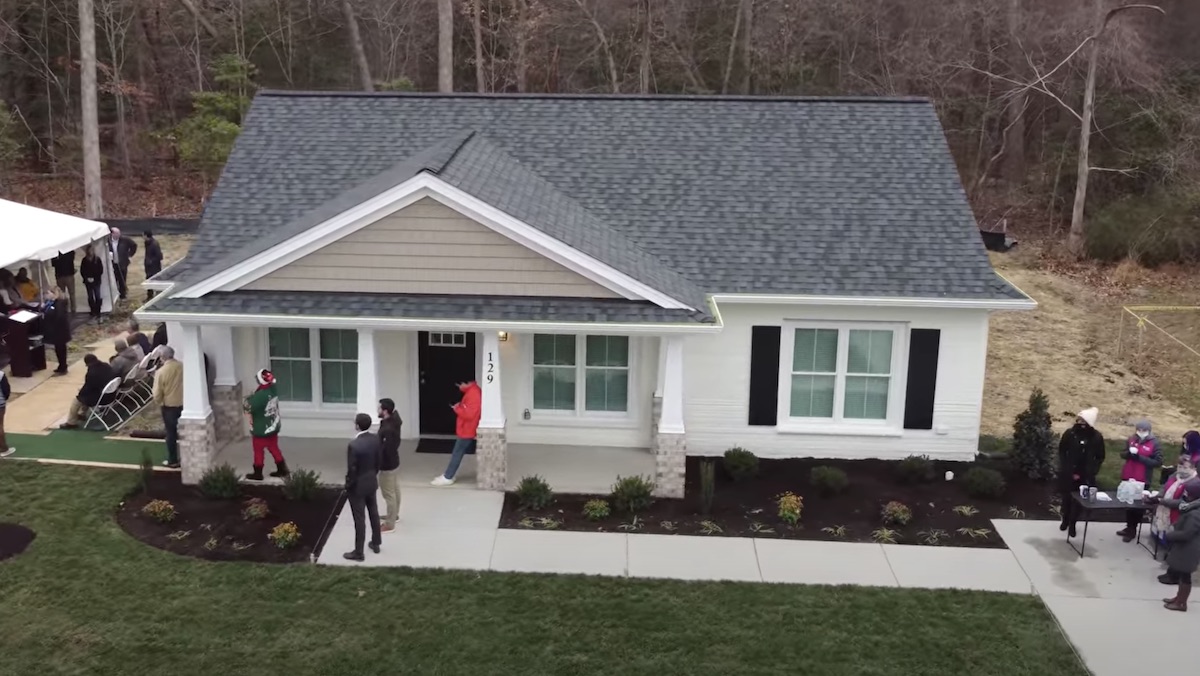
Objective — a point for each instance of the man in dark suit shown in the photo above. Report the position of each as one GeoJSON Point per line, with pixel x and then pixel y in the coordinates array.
{"type": "Point", "coordinates": [363, 456]}
{"type": "Point", "coordinates": [122, 248]}
{"type": "Point", "coordinates": [99, 374]}
{"type": "Point", "coordinates": [152, 259]}
{"type": "Point", "coordinates": [64, 277]}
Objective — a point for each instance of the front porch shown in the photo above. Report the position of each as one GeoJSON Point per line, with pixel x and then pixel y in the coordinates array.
{"type": "Point", "coordinates": [568, 469]}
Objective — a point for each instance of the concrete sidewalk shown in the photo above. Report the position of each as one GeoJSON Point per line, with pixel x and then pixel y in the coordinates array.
{"type": "Point", "coordinates": [460, 529]}
{"type": "Point", "coordinates": [44, 404]}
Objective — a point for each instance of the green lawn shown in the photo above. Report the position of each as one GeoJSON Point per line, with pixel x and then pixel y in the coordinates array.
{"type": "Point", "coordinates": [87, 599]}
{"type": "Point", "coordinates": [86, 445]}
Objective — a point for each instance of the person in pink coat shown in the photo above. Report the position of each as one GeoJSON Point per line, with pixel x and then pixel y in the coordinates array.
{"type": "Point", "coordinates": [1141, 456]}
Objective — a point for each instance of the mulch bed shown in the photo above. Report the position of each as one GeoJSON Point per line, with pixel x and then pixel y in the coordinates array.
{"type": "Point", "coordinates": [215, 530]}
{"type": "Point", "coordinates": [748, 508]}
{"type": "Point", "coordinates": [14, 539]}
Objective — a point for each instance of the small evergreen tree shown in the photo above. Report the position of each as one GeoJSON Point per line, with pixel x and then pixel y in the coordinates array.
{"type": "Point", "coordinates": [205, 138]}
{"type": "Point", "coordinates": [1033, 440]}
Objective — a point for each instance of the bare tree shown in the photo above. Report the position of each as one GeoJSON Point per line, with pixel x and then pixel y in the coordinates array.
{"type": "Point", "coordinates": [747, 43]}
{"type": "Point", "coordinates": [356, 44]}
{"type": "Point", "coordinates": [644, 65]}
{"type": "Point", "coordinates": [93, 202]}
{"type": "Point", "coordinates": [522, 65]}
{"type": "Point", "coordinates": [477, 15]}
{"type": "Point", "coordinates": [1075, 238]}
{"type": "Point", "coordinates": [1014, 136]}
{"type": "Point", "coordinates": [201, 19]}
{"type": "Point", "coordinates": [445, 46]}
{"type": "Point", "coordinates": [733, 42]}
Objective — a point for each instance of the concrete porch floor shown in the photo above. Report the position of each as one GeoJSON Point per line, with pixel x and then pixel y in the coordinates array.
{"type": "Point", "coordinates": [568, 469]}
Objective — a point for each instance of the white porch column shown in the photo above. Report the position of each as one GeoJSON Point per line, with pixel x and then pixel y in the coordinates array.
{"type": "Point", "coordinates": [670, 443]}
{"type": "Point", "coordinates": [662, 366]}
{"type": "Point", "coordinates": [197, 428]}
{"type": "Point", "coordinates": [175, 338]}
{"type": "Point", "coordinates": [217, 342]}
{"type": "Point", "coordinates": [491, 452]}
{"type": "Point", "coordinates": [367, 400]}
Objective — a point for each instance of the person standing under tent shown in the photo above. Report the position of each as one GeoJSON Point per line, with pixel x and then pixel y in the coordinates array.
{"type": "Point", "coordinates": [91, 271]}
{"type": "Point", "coordinates": [64, 277]}
{"type": "Point", "coordinates": [265, 423]}
{"type": "Point", "coordinates": [152, 259]}
{"type": "Point", "coordinates": [56, 328]}
{"type": "Point", "coordinates": [122, 248]}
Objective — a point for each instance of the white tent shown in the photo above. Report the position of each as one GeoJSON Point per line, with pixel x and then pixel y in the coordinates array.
{"type": "Point", "coordinates": [32, 235]}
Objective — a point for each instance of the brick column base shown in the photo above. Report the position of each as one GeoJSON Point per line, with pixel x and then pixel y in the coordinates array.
{"type": "Point", "coordinates": [491, 459]}
{"type": "Point", "coordinates": [670, 465]}
{"type": "Point", "coordinates": [228, 412]}
{"type": "Point", "coordinates": [655, 416]}
{"type": "Point", "coordinates": [197, 446]}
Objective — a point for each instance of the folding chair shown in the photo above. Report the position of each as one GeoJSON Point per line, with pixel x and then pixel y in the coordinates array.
{"type": "Point", "coordinates": [129, 395]}
{"type": "Point", "coordinates": [145, 384]}
{"type": "Point", "coordinates": [104, 406]}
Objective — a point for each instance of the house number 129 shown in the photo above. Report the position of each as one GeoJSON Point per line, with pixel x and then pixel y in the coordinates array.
{"type": "Point", "coordinates": [491, 368]}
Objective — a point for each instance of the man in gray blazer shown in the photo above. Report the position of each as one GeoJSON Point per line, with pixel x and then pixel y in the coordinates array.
{"type": "Point", "coordinates": [363, 456]}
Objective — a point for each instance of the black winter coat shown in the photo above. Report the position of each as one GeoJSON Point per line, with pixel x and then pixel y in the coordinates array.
{"type": "Point", "coordinates": [64, 264]}
{"type": "Point", "coordinates": [56, 325]}
{"type": "Point", "coordinates": [98, 376]}
{"type": "Point", "coordinates": [153, 258]}
{"type": "Point", "coordinates": [1080, 452]}
{"type": "Point", "coordinates": [91, 270]}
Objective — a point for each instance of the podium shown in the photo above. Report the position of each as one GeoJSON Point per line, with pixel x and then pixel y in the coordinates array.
{"type": "Point", "coordinates": [23, 339]}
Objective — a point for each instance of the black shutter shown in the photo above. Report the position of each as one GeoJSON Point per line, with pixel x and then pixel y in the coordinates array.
{"type": "Point", "coordinates": [764, 375]}
{"type": "Point", "coordinates": [923, 347]}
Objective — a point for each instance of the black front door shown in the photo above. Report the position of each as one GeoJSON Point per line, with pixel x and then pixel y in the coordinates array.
{"type": "Point", "coordinates": [445, 359]}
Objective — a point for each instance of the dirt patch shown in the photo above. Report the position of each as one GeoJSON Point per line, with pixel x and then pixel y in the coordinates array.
{"type": "Point", "coordinates": [215, 530]}
{"type": "Point", "coordinates": [748, 508]}
{"type": "Point", "coordinates": [14, 539]}
{"type": "Point", "coordinates": [1068, 348]}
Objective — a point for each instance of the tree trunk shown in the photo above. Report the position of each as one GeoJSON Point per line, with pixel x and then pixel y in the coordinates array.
{"type": "Point", "coordinates": [1076, 243]}
{"type": "Point", "coordinates": [93, 203]}
{"type": "Point", "coordinates": [480, 84]}
{"type": "Point", "coordinates": [733, 41]}
{"type": "Point", "coordinates": [747, 32]}
{"type": "Point", "coordinates": [445, 46]}
{"type": "Point", "coordinates": [356, 44]}
{"type": "Point", "coordinates": [522, 44]}
{"type": "Point", "coordinates": [1014, 136]}
{"type": "Point", "coordinates": [644, 68]}
{"type": "Point", "coordinates": [201, 19]}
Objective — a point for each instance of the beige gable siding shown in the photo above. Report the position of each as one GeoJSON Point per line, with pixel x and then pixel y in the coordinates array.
{"type": "Point", "coordinates": [428, 247]}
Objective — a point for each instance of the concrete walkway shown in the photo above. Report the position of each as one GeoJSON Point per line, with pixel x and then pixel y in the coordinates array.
{"type": "Point", "coordinates": [44, 404]}
{"type": "Point", "coordinates": [459, 529]}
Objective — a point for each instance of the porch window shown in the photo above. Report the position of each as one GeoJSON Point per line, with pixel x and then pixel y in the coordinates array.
{"type": "Point", "coordinates": [301, 374]}
{"type": "Point", "coordinates": [839, 374]}
{"type": "Point", "coordinates": [581, 374]}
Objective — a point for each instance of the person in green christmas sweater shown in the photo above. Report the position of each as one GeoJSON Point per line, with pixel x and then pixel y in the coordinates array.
{"type": "Point", "coordinates": [263, 409]}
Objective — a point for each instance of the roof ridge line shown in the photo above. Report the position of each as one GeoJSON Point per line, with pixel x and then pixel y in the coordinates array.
{"type": "Point", "coordinates": [743, 98]}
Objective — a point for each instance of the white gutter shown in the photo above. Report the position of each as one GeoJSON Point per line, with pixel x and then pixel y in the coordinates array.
{"type": "Point", "coordinates": [876, 301]}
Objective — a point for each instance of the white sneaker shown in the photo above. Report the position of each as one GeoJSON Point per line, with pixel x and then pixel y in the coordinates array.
{"type": "Point", "coordinates": [7, 452]}
{"type": "Point", "coordinates": [441, 480]}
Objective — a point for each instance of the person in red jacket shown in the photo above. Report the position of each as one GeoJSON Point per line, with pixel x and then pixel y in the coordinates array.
{"type": "Point", "coordinates": [467, 410]}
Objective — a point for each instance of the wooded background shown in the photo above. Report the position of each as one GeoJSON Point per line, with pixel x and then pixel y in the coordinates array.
{"type": "Point", "coordinates": [175, 77]}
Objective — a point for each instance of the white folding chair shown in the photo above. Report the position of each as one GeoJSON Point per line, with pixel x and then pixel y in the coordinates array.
{"type": "Point", "coordinates": [145, 384]}
{"type": "Point", "coordinates": [104, 406]}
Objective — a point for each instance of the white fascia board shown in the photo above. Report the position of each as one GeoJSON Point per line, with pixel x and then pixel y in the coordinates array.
{"type": "Point", "coordinates": [148, 313]}
{"type": "Point", "coordinates": [933, 303]}
{"type": "Point", "coordinates": [394, 199]}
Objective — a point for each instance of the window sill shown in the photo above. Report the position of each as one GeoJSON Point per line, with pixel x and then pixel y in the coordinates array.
{"type": "Point", "coordinates": [546, 419]}
{"type": "Point", "coordinates": [840, 430]}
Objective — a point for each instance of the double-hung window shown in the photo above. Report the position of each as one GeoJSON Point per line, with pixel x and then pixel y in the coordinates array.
{"type": "Point", "coordinates": [840, 374]}
{"type": "Point", "coordinates": [314, 366]}
{"type": "Point", "coordinates": [583, 375]}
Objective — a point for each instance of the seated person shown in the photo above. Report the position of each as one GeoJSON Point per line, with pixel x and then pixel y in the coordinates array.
{"type": "Point", "coordinates": [125, 359]}
{"type": "Point", "coordinates": [10, 297]}
{"type": "Point", "coordinates": [98, 376]}
{"type": "Point", "coordinates": [137, 338]}
{"type": "Point", "coordinates": [30, 293]}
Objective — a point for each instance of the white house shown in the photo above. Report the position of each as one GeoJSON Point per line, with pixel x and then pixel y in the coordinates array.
{"type": "Point", "coordinates": [801, 276]}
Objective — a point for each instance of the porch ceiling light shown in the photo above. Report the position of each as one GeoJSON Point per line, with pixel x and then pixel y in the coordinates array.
{"type": "Point", "coordinates": [503, 335]}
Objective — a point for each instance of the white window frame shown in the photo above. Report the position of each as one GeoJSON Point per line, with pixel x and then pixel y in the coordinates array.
{"type": "Point", "coordinates": [892, 425]}
{"type": "Point", "coordinates": [580, 414]}
{"type": "Point", "coordinates": [314, 359]}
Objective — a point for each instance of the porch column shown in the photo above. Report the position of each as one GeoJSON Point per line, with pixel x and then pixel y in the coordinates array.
{"type": "Point", "coordinates": [197, 428]}
{"type": "Point", "coordinates": [670, 443]}
{"type": "Point", "coordinates": [656, 400]}
{"type": "Point", "coordinates": [491, 452]}
{"type": "Point", "coordinates": [367, 399]}
{"type": "Point", "coordinates": [217, 342]}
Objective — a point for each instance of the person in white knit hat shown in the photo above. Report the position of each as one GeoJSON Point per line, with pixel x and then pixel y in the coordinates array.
{"type": "Point", "coordinates": [1080, 454]}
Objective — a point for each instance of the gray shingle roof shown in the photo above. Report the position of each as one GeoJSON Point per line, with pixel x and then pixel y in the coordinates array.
{"type": "Point", "coordinates": [691, 195]}
{"type": "Point", "coordinates": [484, 308]}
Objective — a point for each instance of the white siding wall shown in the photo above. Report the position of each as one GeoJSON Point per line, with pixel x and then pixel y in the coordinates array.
{"type": "Point", "coordinates": [717, 386]}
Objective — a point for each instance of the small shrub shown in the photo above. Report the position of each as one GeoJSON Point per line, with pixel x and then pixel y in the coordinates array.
{"type": "Point", "coordinates": [835, 531]}
{"type": "Point", "coordinates": [285, 535]}
{"type": "Point", "coordinates": [829, 481]}
{"type": "Point", "coordinates": [548, 522]}
{"type": "Point", "coordinates": [983, 482]}
{"type": "Point", "coordinates": [179, 535]}
{"type": "Point", "coordinates": [790, 507]}
{"type": "Point", "coordinates": [896, 513]}
{"type": "Point", "coordinates": [1033, 441]}
{"type": "Point", "coordinates": [710, 528]}
{"type": "Point", "coordinates": [220, 483]}
{"type": "Point", "coordinates": [885, 536]}
{"type": "Point", "coordinates": [160, 510]}
{"type": "Point", "coordinates": [761, 528]}
{"type": "Point", "coordinates": [966, 510]}
{"type": "Point", "coordinates": [534, 493]}
{"type": "Point", "coordinates": [212, 543]}
{"type": "Point", "coordinates": [527, 522]}
{"type": "Point", "coordinates": [740, 464]}
{"type": "Point", "coordinates": [1015, 513]}
{"type": "Point", "coordinates": [594, 510]}
{"type": "Point", "coordinates": [708, 485]}
{"type": "Point", "coordinates": [632, 494]}
{"type": "Point", "coordinates": [934, 536]}
{"type": "Point", "coordinates": [633, 525]}
{"type": "Point", "coordinates": [145, 471]}
{"type": "Point", "coordinates": [669, 526]}
{"type": "Point", "coordinates": [255, 509]}
{"type": "Point", "coordinates": [975, 533]}
{"type": "Point", "coordinates": [915, 469]}
{"type": "Point", "coordinates": [301, 485]}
